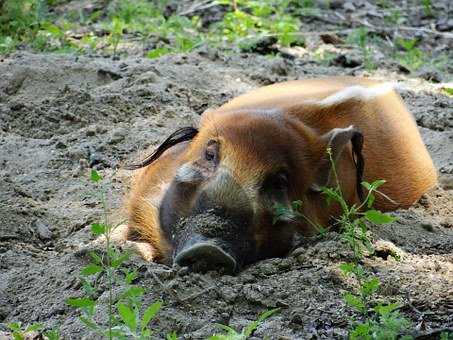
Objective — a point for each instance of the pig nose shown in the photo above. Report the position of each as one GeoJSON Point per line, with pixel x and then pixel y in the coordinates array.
{"type": "Point", "coordinates": [206, 255]}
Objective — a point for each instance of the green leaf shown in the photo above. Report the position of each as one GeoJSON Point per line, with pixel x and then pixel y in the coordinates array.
{"type": "Point", "coordinates": [448, 90]}
{"type": "Point", "coordinates": [378, 217]}
{"type": "Point", "coordinates": [384, 310]}
{"type": "Point", "coordinates": [355, 302]}
{"type": "Point", "coordinates": [96, 258]}
{"type": "Point", "coordinates": [370, 286]}
{"type": "Point", "coordinates": [254, 325]}
{"type": "Point", "coordinates": [134, 292]}
{"type": "Point", "coordinates": [361, 331]}
{"type": "Point", "coordinates": [150, 313]}
{"type": "Point", "coordinates": [89, 323]}
{"type": "Point", "coordinates": [370, 201]}
{"type": "Point", "coordinates": [116, 262]}
{"type": "Point", "coordinates": [34, 327]}
{"type": "Point", "coordinates": [128, 316]}
{"type": "Point", "coordinates": [91, 269]}
{"type": "Point", "coordinates": [15, 326]}
{"type": "Point", "coordinates": [130, 276]}
{"type": "Point", "coordinates": [53, 334]}
{"type": "Point", "coordinates": [158, 52]}
{"type": "Point", "coordinates": [347, 268]}
{"type": "Point", "coordinates": [84, 303]}
{"type": "Point", "coordinates": [98, 229]}
{"type": "Point", "coordinates": [172, 336]}
{"type": "Point", "coordinates": [95, 176]}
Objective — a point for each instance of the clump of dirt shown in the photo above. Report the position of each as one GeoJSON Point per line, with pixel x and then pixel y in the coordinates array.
{"type": "Point", "coordinates": [61, 116]}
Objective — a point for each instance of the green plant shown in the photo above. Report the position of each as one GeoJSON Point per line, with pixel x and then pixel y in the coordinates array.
{"type": "Point", "coordinates": [360, 38]}
{"type": "Point", "coordinates": [446, 336]}
{"type": "Point", "coordinates": [232, 334]}
{"type": "Point", "coordinates": [126, 317]}
{"type": "Point", "coordinates": [20, 333]}
{"type": "Point", "coordinates": [411, 57]}
{"type": "Point", "coordinates": [381, 320]}
{"type": "Point", "coordinates": [427, 7]}
{"type": "Point", "coordinates": [253, 20]}
{"type": "Point", "coordinates": [352, 220]}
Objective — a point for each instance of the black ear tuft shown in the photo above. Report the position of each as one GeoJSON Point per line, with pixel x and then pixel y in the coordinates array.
{"type": "Point", "coordinates": [179, 136]}
{"type": "Point", "coordinates": [357, 144]}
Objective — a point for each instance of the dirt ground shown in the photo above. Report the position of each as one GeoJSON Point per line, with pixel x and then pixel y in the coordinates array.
{"type": "Point", "coordinates": [61, 115]}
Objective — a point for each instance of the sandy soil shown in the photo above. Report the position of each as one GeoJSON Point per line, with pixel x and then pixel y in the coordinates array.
{"type": "Point", "coordinates": [62, 115]}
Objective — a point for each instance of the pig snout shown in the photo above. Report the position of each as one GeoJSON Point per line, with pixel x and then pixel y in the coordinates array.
{"type": "Point", "coordinates": [202, 254]}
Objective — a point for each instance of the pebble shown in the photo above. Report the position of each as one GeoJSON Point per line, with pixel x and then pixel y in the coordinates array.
{"type": "Point", "coordinates": [44, 233]}
{"type": "Point", "coordinates": [117, 136]}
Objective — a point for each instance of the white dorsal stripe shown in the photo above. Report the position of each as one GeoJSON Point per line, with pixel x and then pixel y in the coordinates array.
{"type": "Point", "coordinates": [357, 92]}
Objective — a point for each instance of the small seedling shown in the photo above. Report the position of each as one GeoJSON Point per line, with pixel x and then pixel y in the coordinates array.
{"type": "Point", "coordinates": [380, 321]}
{"type": "Point", "coordinates": [20, 333]}
{"type": "Point", "coordinates": [126, 317]}
{"type": "Point", "coordinates": [232, 334]}
{"type": "Point", "coordinates": [360, 38]}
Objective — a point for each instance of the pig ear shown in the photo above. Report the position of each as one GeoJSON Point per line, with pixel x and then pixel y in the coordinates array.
{"type": "Point", "coordinates": [182, 135]}
{"type": "Point", "coordinates": [337, 139]}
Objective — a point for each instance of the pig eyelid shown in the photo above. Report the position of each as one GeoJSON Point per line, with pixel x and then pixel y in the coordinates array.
{"type": "Point", "coordinates": [211, 151]}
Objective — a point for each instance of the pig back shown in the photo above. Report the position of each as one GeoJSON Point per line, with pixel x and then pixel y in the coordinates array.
{"type": "Point", "coordinates": [393, 149]}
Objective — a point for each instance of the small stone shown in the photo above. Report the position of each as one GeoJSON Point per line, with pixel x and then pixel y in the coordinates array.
{"type": "Point", "coordinates": [331, 38]}
{"type": "Point", "coordinates": [346, 61]}
{"type": "Point", "coordinates": [60, 145]}
{"type": "Point", "coordinates": [430, 75]}
{"type": "Point", "coordinates": [428, 226]}
{"type": "Point", "coordinates": [279, 67]}
{"type": "Point", "coordinates": [44, 233]}
{"type": "Point", "coordinates": [349, 6]}
{"type": "Point", "coordinates": [445, 25]}
{"type": "Point", "coordinates": [101, 129]}
{"type": "Point", "coordinates": [91, 131]}
{"type": "Point", "coordinates": [117, 136]}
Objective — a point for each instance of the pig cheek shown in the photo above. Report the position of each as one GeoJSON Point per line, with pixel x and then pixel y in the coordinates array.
{"type": "Point", "coordinates": [175, 205]}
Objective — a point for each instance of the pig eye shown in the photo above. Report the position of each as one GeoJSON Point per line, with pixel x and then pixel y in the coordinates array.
{"type": "Point", "coordinates": [277, 181]}
{"type": "Point", "coordinates": [211, 151]}
{"type": "Point", "coordinates": [209, 155]}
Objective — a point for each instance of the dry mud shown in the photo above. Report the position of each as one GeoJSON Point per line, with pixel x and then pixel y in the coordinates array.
{"type": "Point", "coordinates": [61, 115]}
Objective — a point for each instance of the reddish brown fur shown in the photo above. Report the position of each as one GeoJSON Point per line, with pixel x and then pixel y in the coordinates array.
{"type": "Point", "coordinates": [393, 150]}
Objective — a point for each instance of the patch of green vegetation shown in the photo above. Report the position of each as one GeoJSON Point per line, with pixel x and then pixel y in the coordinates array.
{"type": "Point", "coordinates": [377, 320]}
{"type": "Point", "coordinates": [126, 316]}
{"type": "Point", "coordinates": [232, 334]}
{"type": "Point", "coordinates": [380, 320]}
{"type": "Point", "coordinates": [384, 321]}
{"type": "Point", "coordinates": [29, 22]}
{"type": "Point", "coordinates": [448, 90]}
{"type": "Point", "coordinates": [359, 37]}
{"type": "Point", "coordinates": [411, 57]}
{"type": "Point", "coordinates": [427, 7]}
{"type": "Point", "coordinates": [21, 333]}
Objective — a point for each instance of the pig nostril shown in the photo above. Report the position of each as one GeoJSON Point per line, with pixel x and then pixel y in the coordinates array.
{"type": "Point", "coordinates": [206, 256]}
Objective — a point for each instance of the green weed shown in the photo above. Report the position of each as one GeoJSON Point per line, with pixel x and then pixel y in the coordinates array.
{"type": "Point", "coordinates": [379, 321]}
{"type": "Point", "coordinates": [411, 57]}
{"type": "Point", "coordinates": [232, 334]}
{"type": "Point", "coordinates": [21, 333]}
{"type": "Point", "coordinates": [126, 316]}
{"type": "Point", "coordinates": [427, 7]}
{"type": "Point", "coordinates": [360, 38]}
{"type": "Point", "coordinates": [352, 220]}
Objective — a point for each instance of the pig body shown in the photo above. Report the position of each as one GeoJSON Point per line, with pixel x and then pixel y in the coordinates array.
{"type": "Point", "coordinates": [268, 148]}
